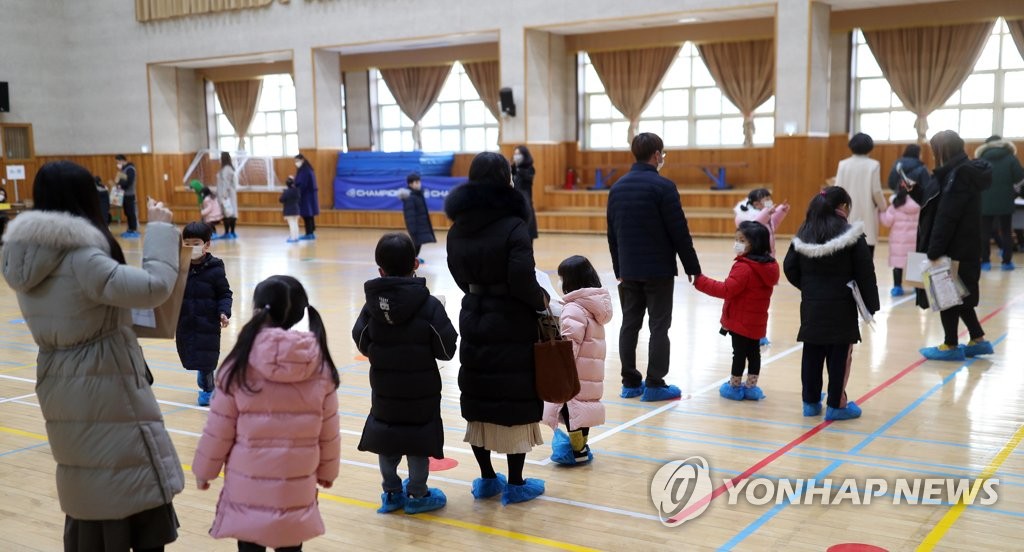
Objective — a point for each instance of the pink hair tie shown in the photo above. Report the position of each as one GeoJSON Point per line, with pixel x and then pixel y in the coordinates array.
{"type": "Point", "coordinates": [823, 193]}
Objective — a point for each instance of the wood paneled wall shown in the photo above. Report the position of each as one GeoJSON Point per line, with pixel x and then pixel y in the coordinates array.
{"type": "Point", "coordinates": [679, 165]}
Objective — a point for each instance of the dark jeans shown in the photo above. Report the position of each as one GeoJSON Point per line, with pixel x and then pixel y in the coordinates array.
{"type": "Point", "coordinates": [129, 213]}
{"type": "Point", "coordinates": [418, 471]}
{"type": "Point", "coordinates": [1003, 234]}
{"type": "Point", "coordinates": [310, 223]}
{"type": "Point", "coordinates": [835, 357]}
{"type": "Point", "coordinates": [204, 379]}
{"type": "Point", "coordinates": [951, 318]}
{"type": "Point", "coordinates": [653, 297]}
{"type": "Point", "coordinates": [244, 546]}
{"type": "Point", "coordinates": [897, 277]}
{"type": "Point", "coordinates": [746, 353]}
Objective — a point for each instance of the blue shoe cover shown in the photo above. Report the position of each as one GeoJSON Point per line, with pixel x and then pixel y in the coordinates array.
{"type": "Point", "coordinates": [630, 392]}
{"type": "Point", "coordinates": [667, 393]}
{"type": "Point", "coordinates": [733, 393]}
{"type": "Point", "coordinates": [434, 500]}
{"type": "Point", "coordinates": [763, 342]}
{"type": "Point", "coordinates": [813, 409]}
{"type": "Point", "coordinates": [486, 488]}
{"type": "Point", "coordinates": [529, 490]}
{"type": "Point", "coordinates": [561, 449]}
{"type": "Point", "coordinates": [986, 266]}
{"type": "Point", "coordinates": [935, 353]}
{"type": "Point", "coordinates": [204, 398]}
{"type": "Point", "coordinates": [753, 393]}
{"type": "Point", "coordinates": [897, 291]}
{"type": "Point", "coordinates": [980, 348]}
{"type": "Point", "coordinates": [389, 502]}
{"type": "Point", "coordinates": [1008, 267]}
{"type": "Point", "coordinates": [850, 412]}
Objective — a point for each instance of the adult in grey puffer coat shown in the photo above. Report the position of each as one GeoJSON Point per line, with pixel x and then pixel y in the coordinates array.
{"type": "Point", "coordinates": [115, 460]}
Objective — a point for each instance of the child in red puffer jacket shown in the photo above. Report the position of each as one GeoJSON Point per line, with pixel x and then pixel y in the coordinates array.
{"type": "Point", "coordinates": [747, 293]}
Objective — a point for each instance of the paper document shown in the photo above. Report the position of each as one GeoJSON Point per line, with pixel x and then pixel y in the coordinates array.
{"type": "Point", "coordinates": [865, 314]}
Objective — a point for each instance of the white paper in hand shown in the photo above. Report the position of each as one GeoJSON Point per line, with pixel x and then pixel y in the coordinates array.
{"type": "Point", "coordinates": [144, 317]}
{"type": "Point", "coordinates": [865, 314]}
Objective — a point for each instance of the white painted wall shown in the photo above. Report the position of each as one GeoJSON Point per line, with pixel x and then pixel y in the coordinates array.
{"type": "Point", "coordinates": [84, 84]}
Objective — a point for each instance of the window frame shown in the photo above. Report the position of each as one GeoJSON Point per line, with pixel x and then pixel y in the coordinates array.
{"type": "Point", "coordinates": [216, 138]}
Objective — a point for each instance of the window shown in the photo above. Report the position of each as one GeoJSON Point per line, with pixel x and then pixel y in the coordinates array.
{"type": "Point", "coordinates": [688, 110]}
{"type": "Point", "coordinates": [275, 126]}
{"type": "Point", "coordinates": [16, 142]}
{"type": "Point", "coordinates": [459, 121]}
{"type": "Point", "coordinates": [991, 100]}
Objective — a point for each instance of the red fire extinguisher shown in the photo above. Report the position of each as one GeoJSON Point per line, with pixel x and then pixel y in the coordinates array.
{"type": "Point", "coordinates": [570, 179]}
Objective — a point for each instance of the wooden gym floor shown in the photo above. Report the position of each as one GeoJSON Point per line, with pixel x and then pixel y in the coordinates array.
{"type": "Point", "coordinates": [921, 419]}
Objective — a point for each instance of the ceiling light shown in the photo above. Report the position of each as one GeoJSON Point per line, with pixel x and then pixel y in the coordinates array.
{"type": "Point", "coordinates": [689, 20]}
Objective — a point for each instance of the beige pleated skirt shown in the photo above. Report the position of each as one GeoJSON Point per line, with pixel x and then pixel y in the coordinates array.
{"type": "Point", "coordinates": [518, 439]}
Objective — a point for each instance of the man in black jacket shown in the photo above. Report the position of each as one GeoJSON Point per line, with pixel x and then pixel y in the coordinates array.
{"type": "Point", "coordinates": [646, 230]}
{"type": "Point", "coordinates": [126, 180]}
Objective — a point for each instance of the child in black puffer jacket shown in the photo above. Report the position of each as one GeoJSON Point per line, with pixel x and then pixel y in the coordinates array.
{"type": "Point", "coordinates": [205, 309]}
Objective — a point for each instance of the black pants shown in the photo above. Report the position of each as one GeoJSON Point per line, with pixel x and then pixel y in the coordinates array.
{"type": "Point", "coordinates": [834, 356]}
{"type": "Point", "coordinates": [229, 224]}
{"type": "Point", "coordinates": [871, 248]}
{"type": "Point", "coordinates": [565, 418]}
{"type": "Point", "coordinates": [213, 226]}
{"type": "Point", "coordinates": [310, 223]}
{"type": "Point", "coordinates": [417, 245]}
{"type": "Point", "coordinates": [130, 214]}
{"type": "Point", "coordinates": [746, 353]}
{"type": "Point", "coordinates": [951, 318]}
{"type": "Point", "coordinates": [655, 298]}
{"type": "Point", "coordinates": [897, 277]}
{"type": "Point", "coordinates": [244, 546]}
{"type": "Point", "coordinates": [1003, 234]}
{"type": "Point", "coordinates": [205, 380]}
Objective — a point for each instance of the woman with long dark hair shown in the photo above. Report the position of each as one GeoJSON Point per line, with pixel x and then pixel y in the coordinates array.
{"type": "Point", "coordinates": [950, 226]}
{"type": "Point", "coordinates": [490, 256]}
{"type": "Point", "coordinates": [309, 203]}
{"type": "Point", "coordinates": [227, 193]}
{"type": "Point", "coordinates": [522, 178]}
{"type": "Point", "coordinates": [117, 470]}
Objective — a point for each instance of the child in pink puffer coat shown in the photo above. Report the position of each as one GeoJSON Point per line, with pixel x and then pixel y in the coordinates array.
{"type": "Point", "coordinates": [759, 207]}
{"type": "Point", "coordinates": [587, 308]}
{"type": "Point", "coordinates": [273, 425]}
{"type": "Point", "coordinates": [901, 216]}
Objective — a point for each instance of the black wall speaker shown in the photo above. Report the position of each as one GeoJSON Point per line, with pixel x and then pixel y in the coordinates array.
{"type": "Point", "coordinates": [508, 107]}
{"type": "Point", "coordinates": [5, 99]}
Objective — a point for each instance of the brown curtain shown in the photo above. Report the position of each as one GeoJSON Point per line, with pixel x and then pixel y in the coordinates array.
{"type": "Point", "coordinates": [1017, 32]}
{"type": "Point", "coordinates": [151, 10]}
{"type": "Point", "coordinates": [745, 71]}
{"type": "Point", "coordinates": [926, 65]}
{"type": "Point", "coordinates": [631, 78]}
{"type": "Point", "coordinates": [239, 100]}
{"type": "Point", "coordinates": [416, 90]}
{"type": "Point", "coordinates": [486, 78]}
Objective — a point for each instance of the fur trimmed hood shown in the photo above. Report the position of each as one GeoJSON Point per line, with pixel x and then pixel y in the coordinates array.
{"type": "Point", "coordinates": [1006, 146]}
{"type": "Point", "coordinates": [838, 243]}
{"type": "Point", "coordinates": [485, 203]}
{"type": "Point", "coordinates": [36, 241]}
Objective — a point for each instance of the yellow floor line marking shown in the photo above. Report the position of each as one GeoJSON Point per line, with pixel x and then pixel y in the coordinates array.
{"type": "Point", "coordinates": [494, 531]}
{"type": "Point", "coordinates": [957, 510]}
{"type": "Point", "coordinates": [13, 431]}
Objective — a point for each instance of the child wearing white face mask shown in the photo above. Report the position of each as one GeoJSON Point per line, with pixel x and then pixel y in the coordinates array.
{"type": "Point", "coordinates": [747, 293]}
{"type": "Point", "coordinates": [759, 207]}
{"type": "Point", "coordinates": [205, 310]}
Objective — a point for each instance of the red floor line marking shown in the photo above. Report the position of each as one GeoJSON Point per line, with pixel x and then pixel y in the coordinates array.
{"type": "Point", "coordinates": [814, 430]}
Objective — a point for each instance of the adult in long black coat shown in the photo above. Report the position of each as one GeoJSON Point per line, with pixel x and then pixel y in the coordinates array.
{"type": "Point", "coordinates": [522, 178]}
{"type": "Point", "coordinates": [950, 226]}
{"type": "Point", "coordinates": [417, 216]}
{"type": "Point", "coordinates": [490, 256]}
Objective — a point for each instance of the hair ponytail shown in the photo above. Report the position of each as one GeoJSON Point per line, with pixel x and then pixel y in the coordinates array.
{"type": "Point", "coordinates": [822, 223]}
{"type": "Point", "coordinates": [316, 326]}
{"type": "Point", "coordinates": [236, 363]}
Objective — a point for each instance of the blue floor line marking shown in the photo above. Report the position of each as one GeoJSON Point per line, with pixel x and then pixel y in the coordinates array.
{"type": "Point", "coordinates": [767, 516]}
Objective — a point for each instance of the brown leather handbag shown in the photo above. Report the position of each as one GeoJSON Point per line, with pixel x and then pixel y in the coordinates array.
{"type": "Point", "coordinates": [557, 380]}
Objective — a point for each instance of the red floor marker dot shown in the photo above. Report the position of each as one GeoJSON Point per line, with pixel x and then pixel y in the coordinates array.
{"type": "Point", "coordinates": [361, 358]}
{"type": "Point", "coordinates": [855, 547]}
{"type": "Point", "coordinates": [442, 464]}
